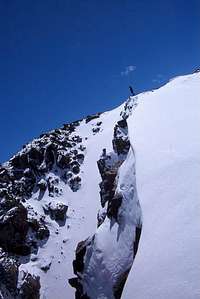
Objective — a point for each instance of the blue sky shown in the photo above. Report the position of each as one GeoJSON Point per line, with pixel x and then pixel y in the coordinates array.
{"type": "Point", "coordinates": [64, 59]}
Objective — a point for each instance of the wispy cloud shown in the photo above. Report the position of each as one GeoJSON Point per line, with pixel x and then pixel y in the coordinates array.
{"type": "Point", "coordinates": [128, 69]}
{"type": "Point", "coordinates": [158, 79]}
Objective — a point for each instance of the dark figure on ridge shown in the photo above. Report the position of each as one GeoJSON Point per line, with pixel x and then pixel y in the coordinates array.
{"type": "Point", "coordinates": [131, 90]}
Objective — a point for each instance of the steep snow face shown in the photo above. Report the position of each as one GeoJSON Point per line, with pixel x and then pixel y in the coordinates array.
{"type": "Point", "coordinates": [164, 131]}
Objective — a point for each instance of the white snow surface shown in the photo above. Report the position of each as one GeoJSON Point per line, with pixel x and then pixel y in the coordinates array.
{"type": "Point", "coordinates": [164, 132]}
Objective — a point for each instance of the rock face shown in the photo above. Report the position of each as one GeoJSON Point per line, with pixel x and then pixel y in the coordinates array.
{"type": "Point", "coordinates": [108, 167]}
{"type": "Point", "coordinates": [22, 230]}
{"type": "Point", "coordinates": [93, 257]}
{"type": "Point", "coordinates": [91, 117]}
{"type": "Point", "coordinates": [13, 230]}
{"type": "Point", "coordinates": [8, 272]}
{"type": "Point", "coordinates": [56, 210]}
{"type": "Point", "coordinates": [30, 287]}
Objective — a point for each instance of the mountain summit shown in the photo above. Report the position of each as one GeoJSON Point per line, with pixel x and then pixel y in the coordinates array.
{"type": "Point", "coordinates": [83, 203]}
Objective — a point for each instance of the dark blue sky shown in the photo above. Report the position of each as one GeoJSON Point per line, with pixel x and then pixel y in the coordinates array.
{"type": "Point", "coordinates": [61, 60]}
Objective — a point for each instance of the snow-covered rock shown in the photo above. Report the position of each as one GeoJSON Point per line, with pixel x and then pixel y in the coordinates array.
{"type": "Point", "coordinates": [85, 193]}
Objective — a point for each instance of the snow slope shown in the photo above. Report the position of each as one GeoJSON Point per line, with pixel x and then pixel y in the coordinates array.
{"type": "Point", "coordinates": [164, 132]}
{"type": "Point", "coordinates": [160, 174]}
{"type": "Point", "coordinates": [81, 217]}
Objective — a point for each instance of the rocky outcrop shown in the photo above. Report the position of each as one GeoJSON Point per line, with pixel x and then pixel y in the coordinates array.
{"type": "Point", "coordinates": [8, 272]}
{"type": "Point", "coordinates": [91, 117]}
{"type": "Point", "coordinates": [59, 152]}
{"type": "Point", "coordinates": [61, 148]}
{"type": "Point", "coordinates": [98, 274]}
{"type": "Point", "coordinates": [78, 267]}
{"type": "Point", "coordinates": [13, 229]}
{"type": "Point", "coordinates": [30, 287]}
{"type": "Point", "coordinates": [121, 143]}
{"type": "Point", "coordinates": [108, 167]}
{"type": "Point", "coordinates": [57, 210]}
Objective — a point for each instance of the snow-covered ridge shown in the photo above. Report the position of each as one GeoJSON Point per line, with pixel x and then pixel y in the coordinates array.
{"type": "Point", "coordinates": [165, 131]}
{"type": "Point", "coordinates": [45, 186]}
{"type": "Point", "coordinates": [50, 201]}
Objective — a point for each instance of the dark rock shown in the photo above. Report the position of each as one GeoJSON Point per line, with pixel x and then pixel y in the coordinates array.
{"type": "Point", "coordinates": [35, 155]}
{"type": "Point", "coordinates": [46, 267]}
{"type": "Point", "coordinates": [75, 183]}
{"type": "Point", "coordinates": [51, 184]}
{"type": "Point", "coordinates": [42, 184]}
{"type": "Point", "coordinates": [114, 205]}
{"type": "Point", "coordinates": [57, 210]}
{"type": "Point", "coordinates": [39, 227]}
{"type": "Point", "coordinates": [69, 127]}
{"type": "Point", "coordinates": [4, 176]}
{"type": "Point", "coordinates": [77, 139]}
{"type": "Point", "coordinates": [75, 152]}
{"type": "Point", "coordinates": [78, 267]}
{"type": "Point", "coordinates": [197, 70]}
{"type": "Point", "coordinates": [50, 156]}
{"type": "Point", "coordinates": [42, 232]}
{"type": "Point", "coordinates": [19, 161]}
{"type": "Point", "coordinates": [16, 174]}
{"type": "Point", "coordinates": [95, 130]}
{"type": "Point", "coordinates": [82, 147]}
{"type": "Point", "coordinates": [75, 283]}
{"type": "Point", "coordinates": [91, 117]}
{"type": "Point", "coordinates": [122, 123]}
{"type": "Point", "coordinates": [67, 175]}
{"type": "Point", "coordinates": [74, 163]}
{"type": "Point", "coordinates": [75, 169]}
{"type": "Point", "coordinates": [80, 158]}
{"type": "Point", "coordinates": [34, 224]}
{"type": "Point", "coordinates": [108, 174]}
{"type": "Point", "coordinates": [13, 229]}
{"type": "Point", "coordinates": [29, 173]}
{"type": "Point", "coordinates": [8, 272]}
{"type": "Point", "coordinates": [121, 143]}
{"type": "Point", "coordinates": [63, 161]}
{"type": "Point", "coordinates": [67, 144]}
{"type": "Point", "coordinates": [3, 192]}
{"type": "Point", "coordinates": [101, 216]}
{"type": "Point", "coordinates": [78, 263]}
{"type": "Point", "coordinates": [30, 288]}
